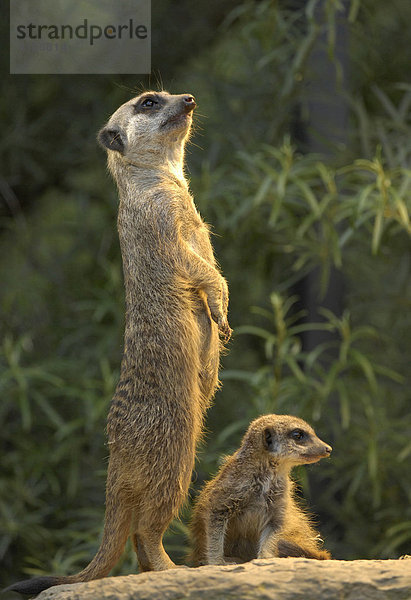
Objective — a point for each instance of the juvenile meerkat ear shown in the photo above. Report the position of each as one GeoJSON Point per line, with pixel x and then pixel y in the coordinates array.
{"type": "Point", "coordinates": [268, 439]}
{"type": "Point", "coordinates": [112, 137]}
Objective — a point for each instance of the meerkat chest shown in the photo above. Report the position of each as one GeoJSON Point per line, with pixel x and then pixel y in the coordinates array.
{"type": "Point", "coordinates": [195, 232]}
{"type": "Point", "coordinates": [261, 504]}
{"type": "Point", "coordinates": [268, 494]}
{"type": "Point", "coordinates": [199, 240]}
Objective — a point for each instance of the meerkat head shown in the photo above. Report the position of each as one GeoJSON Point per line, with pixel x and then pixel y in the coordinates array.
{"type": "Point", "coordinates": [290, 440]}
{"type": "Point", "coordinates": [149, 130]}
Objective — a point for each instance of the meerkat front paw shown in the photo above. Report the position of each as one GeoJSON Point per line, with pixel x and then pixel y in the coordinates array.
{"type": "Point", "coordinates": [224, 328]}
{"type": "Point", "coordinates": [220, 318]}
{"type": "Point", "coordinates": [218, 310]}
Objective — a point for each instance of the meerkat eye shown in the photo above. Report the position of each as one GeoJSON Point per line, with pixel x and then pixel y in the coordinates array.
{"type": "Point", "coordinates": [297, 435]}
{"type": "Point", "coordinates": [149, 103]}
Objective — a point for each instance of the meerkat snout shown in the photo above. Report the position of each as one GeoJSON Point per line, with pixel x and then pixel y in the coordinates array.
{"type": "Point", "coordinates": [308, 447]}
{"type": "Point", "coordinates": [181, 115]}
{"type": "Point", "coordinates": [189, 102]}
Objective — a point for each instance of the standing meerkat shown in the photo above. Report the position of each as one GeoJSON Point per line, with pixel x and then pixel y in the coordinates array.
{"type": "Point", "coordinates": [248, 510]}
{"type": "Point", "coordinates": [176, 304]}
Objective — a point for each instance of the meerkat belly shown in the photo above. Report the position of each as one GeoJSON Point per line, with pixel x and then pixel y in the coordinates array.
{"type": "Point", "coordinates": [139, 423]}
{"type": "Point", "coordinates": [245, 528]}
{"type": "Point", "coordinates": [262, 510]}
{"type": "Point", "coordinates": [161, 359]}
{"type": "Point", "coordinates": [243, 534]}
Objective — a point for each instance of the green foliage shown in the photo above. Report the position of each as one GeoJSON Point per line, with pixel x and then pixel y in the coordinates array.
{"type": "Point", "coordinates": [281, 214]}
{"type": "Point", "coordinates": [59, 363]}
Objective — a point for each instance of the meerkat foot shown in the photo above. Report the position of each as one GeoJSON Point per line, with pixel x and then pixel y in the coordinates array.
{"type": "Point", "coordinates": [167, 565]}
{"type": "Point", "coordinates": [162, 563]}
{"type": "Point", "coordinates": [151, 554]}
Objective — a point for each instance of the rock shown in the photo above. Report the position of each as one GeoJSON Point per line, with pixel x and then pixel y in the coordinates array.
{"type": "Point", "coordinates": [268, 579]}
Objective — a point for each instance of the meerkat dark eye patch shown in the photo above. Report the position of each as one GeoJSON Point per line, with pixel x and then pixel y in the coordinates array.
{"type": "Point", "coordinates": [112, 138]}
{"type": "Point", "coordinates": [147, 104]}
{"type": "Point", "coordinates": [298, 435]}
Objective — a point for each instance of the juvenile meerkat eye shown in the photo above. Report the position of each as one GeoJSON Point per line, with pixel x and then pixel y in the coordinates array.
{"type": "Point", "coordinates": [297, 434]}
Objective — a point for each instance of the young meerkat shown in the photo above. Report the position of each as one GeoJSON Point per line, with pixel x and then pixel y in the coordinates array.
{"type": "Point", "coordinates": [176, 305]}
{"type": "Point", "coordinates": [248, 510]}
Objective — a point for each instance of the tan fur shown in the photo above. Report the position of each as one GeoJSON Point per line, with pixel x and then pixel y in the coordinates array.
{"type": "Point", "coordinates": [248, 510]}
{"type": "Point", "coordinates": [176, 301]}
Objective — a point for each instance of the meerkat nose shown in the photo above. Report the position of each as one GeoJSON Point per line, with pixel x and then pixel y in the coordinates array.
{"type": "Point", "coordinates": [327, 449]}
{"type": "Point", "coordinates": [189, 102]}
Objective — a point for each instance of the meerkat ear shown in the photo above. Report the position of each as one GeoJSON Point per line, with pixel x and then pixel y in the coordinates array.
{"type": "Point", "coordinates": [112, 137]}
{"type": "Point", "coordinates": [268, 439]}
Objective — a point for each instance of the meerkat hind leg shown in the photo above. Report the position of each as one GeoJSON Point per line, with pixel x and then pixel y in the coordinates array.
{"type": "Point", "coordinates": [148, 541]}
{"type": "Point", "coordinates": [138, 546]}
{"type": "Point", "coordinates": [151, 550]}
{"type": "Point", "coordinates": [142, 557]}
{"type": "Point", "coordinates": [268, 546]}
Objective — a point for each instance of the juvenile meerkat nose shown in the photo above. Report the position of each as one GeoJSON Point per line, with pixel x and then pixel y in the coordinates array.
{"type": "Point", "coordinates": [189, 102]}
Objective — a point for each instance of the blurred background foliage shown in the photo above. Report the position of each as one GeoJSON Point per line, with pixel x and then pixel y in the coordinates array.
{"type": "Point", "coordinates": [300, 160]}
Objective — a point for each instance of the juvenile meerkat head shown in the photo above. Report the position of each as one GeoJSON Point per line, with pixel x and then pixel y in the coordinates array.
{"type": "Point", "coordinates": [288, 439]}
{"type": "Point", "coordinates": [149, 130]}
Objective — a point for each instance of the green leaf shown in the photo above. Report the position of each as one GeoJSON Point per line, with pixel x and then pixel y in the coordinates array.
{"type": "Point", "coordinates": [258, 331]}
{"type": "Point", "coordinates": [48, 409]}
{"type": "Point", "coordinates": [345, 410]}
{"type": "Point", "coordinates": [263, 190]}
{"type": "Point", "coordinates": [236, 375]}
{"type": "Point", "coordinates": [366, 367]}
{"type": "Point", "coordinates": [377, 232]}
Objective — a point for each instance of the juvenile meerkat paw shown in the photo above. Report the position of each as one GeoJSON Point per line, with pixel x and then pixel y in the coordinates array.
{"type": "Point", "coordinates": [267, 554]}
{"type": "Point", "coordinates": [217, 561]}
{"type": "Point", "coordinates": [233, 560]}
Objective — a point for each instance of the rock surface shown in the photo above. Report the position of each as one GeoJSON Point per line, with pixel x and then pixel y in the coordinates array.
{"type": "Point", "coordinates": [269, 579]}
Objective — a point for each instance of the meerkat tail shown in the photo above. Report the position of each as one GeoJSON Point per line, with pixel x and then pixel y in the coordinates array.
{"type": "Point", "coordinates": [115, 534]}
{"type": "Point", "coordinates": [288, 548]}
